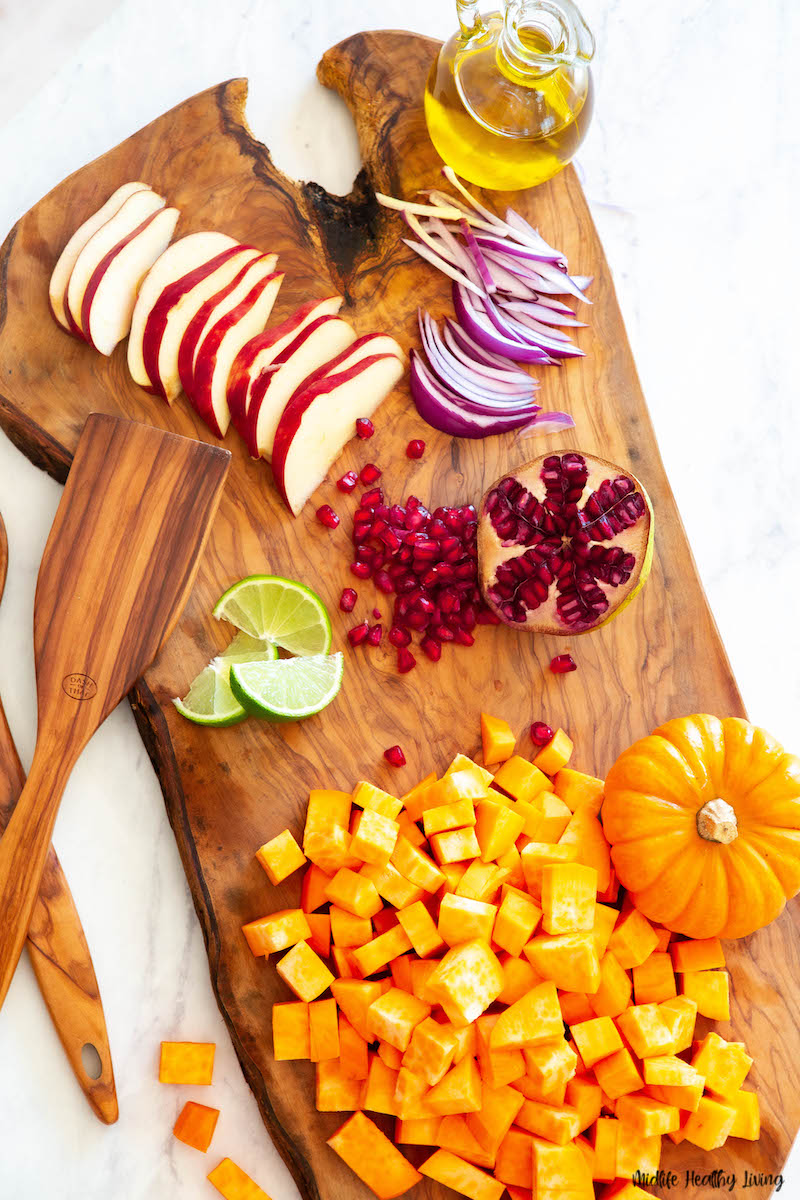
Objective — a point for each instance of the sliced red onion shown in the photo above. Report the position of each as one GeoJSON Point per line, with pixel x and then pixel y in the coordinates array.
{"type": "Point", "coordinates": [444, 410]}
{"type": "Point", "coordinates": [481, 265]}
{"type": "Point", "coordinates": [532, 238]}
{"type": "Point", "coordinates": [560, 278]}
{"type": "Point", "coordinates": [508, 282]}
{"type": "Point", "coordinates": [487, 242]}
{"type": "Point", "coordinates": [467, 351]}
{"type": "Point", "coordinates": [447, 247]}
{"type": "Point", "coordinates": [551, 341]}
{"type": "Point", "coordinates": [481, 328]}
{"type": "Point", "coordinates": [423, 210]}
{"type": "Point", "coordinates": [462, 380]}
{"type": "Point", "coordinates": [521, 225]}
{"type": "Point", "coordinates": [547, 422]}
{"type": "Point", "coordinates": [583, 281]}
{"type": "Point", "coordinates": [437, 261]}
{"type": "Point", "coordinates": [542, 312]}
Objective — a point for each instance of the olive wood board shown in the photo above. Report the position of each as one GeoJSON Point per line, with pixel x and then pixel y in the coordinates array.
{"type": "Point", "coordinates": [227, 791]}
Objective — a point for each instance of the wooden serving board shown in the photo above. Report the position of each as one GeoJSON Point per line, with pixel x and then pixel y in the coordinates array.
{"type": "Point", "coordinates": [227, 791]}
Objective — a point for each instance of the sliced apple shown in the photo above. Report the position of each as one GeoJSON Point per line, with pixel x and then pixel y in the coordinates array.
{"type": "Point", "coordinates": [133, 211]}
{"type": "Point", "coordinates": [66, 260]}
{"type": "Point", "coordinates": [319, 421]}
{"type": "Point", "coordinates": [216, 307]}
{"type": "Point", "coordinates": [178, 261]}
{"type": "Point", "coordinates": [209, 394]}
{"type": "Point", "coordinates": [262, 350]}
{"type": "Point", "coordinates": [321, 341]}
{"type": "Point", "coordinates": [110, 295]}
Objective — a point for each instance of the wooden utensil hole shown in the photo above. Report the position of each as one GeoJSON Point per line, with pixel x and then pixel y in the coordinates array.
{"type": "Point", "coordinates": [92, 1062]}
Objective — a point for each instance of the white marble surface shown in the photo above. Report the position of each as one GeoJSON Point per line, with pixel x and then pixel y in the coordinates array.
{"type": "Point", "coordinates": [691, 168]}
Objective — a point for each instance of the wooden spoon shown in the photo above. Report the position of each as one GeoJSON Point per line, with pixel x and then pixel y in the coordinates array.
{"type": "Point", "coordinates": [56, 942]}
{"type": "Point", "coordinates": [116, 572]}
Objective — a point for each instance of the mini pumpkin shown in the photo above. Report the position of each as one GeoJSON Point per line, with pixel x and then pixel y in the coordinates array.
{"type": "Point", "coordinates": [703, 817]}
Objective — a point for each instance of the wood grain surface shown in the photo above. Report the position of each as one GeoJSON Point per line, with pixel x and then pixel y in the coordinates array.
{"type": "Point", "coordinates": [229, 790]}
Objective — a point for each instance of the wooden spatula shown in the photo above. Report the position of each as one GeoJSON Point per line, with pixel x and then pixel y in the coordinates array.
{"type": "Point", "coordinates": [116, 572]}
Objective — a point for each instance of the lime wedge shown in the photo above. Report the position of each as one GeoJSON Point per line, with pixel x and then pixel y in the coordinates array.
{"type": "Point", "coordinates": [280, 611]}
{"type": "Point", "coordinates": [288, 689]}
{"type": "Point", "coordinates": [210, 700]}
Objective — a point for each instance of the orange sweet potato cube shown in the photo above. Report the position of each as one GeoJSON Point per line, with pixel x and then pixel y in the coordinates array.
{"type": "Point", "coordinates": [556, 1123]}
{"type": "Point", "coordinates": [669, 1070]}
{"type": "Point", "coordinates": [320, 940]}
{"type": "Point", "coordinates": [560, 1171]}
{"type": "Point", "coordinates": [394, 1016]}
{"type": "Point", "coordinates": [323, 1028]}
{"type": "Point", "coordinates": [416, 866]}
{"type": "Point", "coordinates": [704, 954]}
{"type": "Point", "coordinates": [466, 981]}
{"type": "Point", "coordinates": [618, 1074]}
{"type": "Point", "coordinates": [711, 992]}
{"type": "Point", "coordinates": [391, 1058]}
{"type": "Point", "coordinates": [605, 919]}
{"type": "Point", "coordinates": [373, 1158]}
{"type": "Point", "coordinates": [568, 897]}
{"type": "Point", "coordinates": [747, 1122]}
{"type": "Point", "coordinates": [514, 1162]}
{"type": "Point", "coordinates": [415, 801]}
{"type": "Point", "coordinates": [421, 972]}
{"type": "Point", "coordinates": [353, 1051]}
{"type": "Point", "coordinates": [382, 1082]}
{"type": "Point", "coordinates": [305, 972]}
{"type": "Point", "coordinates": [536, 856]}
{"type": "Point", "coordinates": [578, 790]}
{"type": "Point", "coordinates": [664, 938]}
{"type": "Point", "coordinates": [327, 809]}
{"type": "Point", "coordinates": [410, 830]}
{"type": "Point", "coordinates": [568, 959]}
{"type": "Point", "coordinates": [464, 1178]}
{"type": "Point", "coordinates": [596, 1039]}
{"type": "Point", "coordinates": [367, 796]}
{"type": "Point", "coordinates": [723, 1065]}
{"type": "Point", "coordinates": [637, 1156]}
{"type": "Point", "coordinates": [354, 893]}
{"type": "Point", "coordinates": [521, 779]}
{"type": "Point", "coordinates": [420, 928]}
{"type": "Point", "coordinates": [647, 1117]}
{"type": "Point", "coordinates": [481, 881]}
{"type": "Point", "coordinates": [186, 1062]}
{"type": "Point", "coordinates": [290, 1031]}
{"type": "Point", "coordinates": [431, 1051]}
{"type": "Point", "coordinates": [374, 837]}
{"type": "Point", "coordinates": [497, 738]}
{"type": "Point", "coordinates": [196, 1124]}
{"type": "Point", "coordinates": [281, 857]}
{"type": "Point", "coordinates": [518, 976]}
{"type": "Point", "coordinates": [391, 886]}
{"type": "Point", "coordinates": [409, 1093]}
{"type": "Point", "coordinates": [604, 1144]}
{"type": "Point", "coordinates": [455, 1136]}
{"type": "Point", "coordinates": [313, 894]}
{"type": "Point", "coordinates": [334, 1090]}
{"type": "Point", "coordinates": [347, 930]}
{"type": "Point", "coordinates": [679, 1015]}
{"type": "Point", "coordinates": [232, 1183]}
{"type": "Point", "coordinates": [709, 1125]}
{"type": "Point", "coordinates": [255, 935]}
{"type": "Point", "coordinates": [458, 1092]}
{"type": "Point", "coordinates": [453, 874]}
{"type": "Point", "coordinates": [555, 755]}
{"type": "Point", "coordinates": [645, 1031]}
{"type": "Point", "coordinates": [497, 828]}
{"type": "Point", "coordinates": [462, 763]}
{"type": "Point", "coordinates": [547, 823]}
{"type": "Point", "coordinates": [517, 918]}
{"type": "Point", "coordinates": [283, 929]}
{"type": "Point", "coordinates": [499, 1108]}
{"type": "Point", "coordinates": [346, 966]}
{"type": "Point", "coordinates": [497, 1067]}
{"type": "Point", "coordinates": [654, 979]}
{"type": "Point", "coordinates": [534, 1019]}
{"type": "Point", "coordinates": [448, 816]}
{"type": "Point", "coordinates": [586, 1097]}
{"type": "Point", "coordinates": [511, 861]}
{"type": "Point", "coordinates": [585, 833]}
{"type": "Point", "coordinates": [633, 939]}
{"type": "Point", "coordinates": [613, 995]}
{"type": "Point", "coordinates": [330, 850]}
{"type": "Point", "coordinates": [421, 1132]}
{"type": "Point", "coordinates": [380, 952]}
{"type": "Point", "coordinates": [455, 846]}
{"type": "Point", "coordinates": [462, 920]}
{"type": "Point", "coordinates": [458, 785]}
{"type": "Point", "coordinates": [354, 997]}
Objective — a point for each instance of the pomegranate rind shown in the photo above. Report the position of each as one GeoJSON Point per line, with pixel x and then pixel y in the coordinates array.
{"type": "Point", "coordinates": [638, 539]}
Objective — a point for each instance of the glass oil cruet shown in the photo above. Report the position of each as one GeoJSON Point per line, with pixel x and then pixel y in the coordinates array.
{"type": "Point", "coordinates": [509, 97]}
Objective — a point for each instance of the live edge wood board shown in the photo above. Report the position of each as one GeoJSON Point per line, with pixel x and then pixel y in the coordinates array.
{"type": "Point", "coordinates": [228, 791]}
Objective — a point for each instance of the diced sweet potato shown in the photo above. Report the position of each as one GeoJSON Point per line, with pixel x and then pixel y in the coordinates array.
{"type": "Point", "coordinates": [514, 1162]}
{"type": "Point", "coordinates": [683, 1096]}
{"type": "Point", "coordinates": [421, 930]}
{"type": "Point", "coordinates": [320, 940]}
{"type": "Point", "coordinates": [422, 1132]}
{"type": "Point", "coordinates": [458, 785]}
{"type": "Point", "coordinates": [670, 1070]}
{"type": "Point", "coordinates": [335, 1091]}
{"type": "Point", "coordinates": [711, 992]}
{"type": "Point", "coordinates": [604, 1144]}
{"type": "Point", "coordinates": [255, 935]}
{"type": "Point", "coordinates": [647, 1117]}
{"type": "Point", "coordinates": [575, 1007]}
{"type": "Point", "coordinates": [578, 790]}
{"type": "Point", "coordinates": [551, 1065]}
{"type": "Point", "coordinates": [456, 1136]}
{"type": "Point", "coordinates": [462, 1176]}
{"type": "Point", "coordinates": [645, 1031]}
{"type": "Point", "coordinates": [498, 1111]}
{"type": "Point", "coordinates": [280, 930]}
{"type": "Point", "coordinates": [421, 972]}
{"type": "Point", "coordinates": [323, 1026]}
{"type": "Point", "coordinates": [382, 1084]}
{"type": "Point", "coordinates": [679, 1015]}
{"type": "Point", "coordinates": [187, 1062]}
{"type": "Point", "coordinates": [497, 1067]}
{"type": "Point", "coordinates": [613, 995]}
{"type": "Point", "coordinates": [353, 1052]}
{"type": "Point", "coordinates": [618, 1074]}
{"type": "Point", "coordinates": [453, 874]}
{"type": "Point", "coordinates": [196, 1124]}
{"type": "Point", "coordinates": [458, 1092]}
{"type": "Point", "coordinates": [497, 738]}
{"type": "Point", "coordinates": [347, 930]}
{"type": "Point", "coordinates": [455, 846]}
{"type": "Point", "coordinates": [481, 881]}
{"type": "Point", "coordinates": [723, 1065]}
{"type": "Point", "coordinates": [568, 959]}
{"type": "Point", "coordinates": [747, 1122]}
{"type": "Point", "coordinates": [374, 837]}
{"type": "Point", "coordinates": [467, 980]}
{"type": "Point", "coordinates": [654, 979]}
{"type": "Point", "coordinates": [556, 1123]}
{"type": "Point", "coordinates": [281, 857]}
{"type": "Point", "coordinates": [462, 763]}
{"type": "Point", "coordinates": [596, 1039]}
{"type": "Point", "coordinates": [391, 1057]}
{"type": "Point", "coordinates": [586, 1097]}
{"type": "Point", "coordinates": [708, 1127]}
{"type": "Point", "coordinates": [409, 1092]}
{"type": "Point", "coordinates": [415, 801]}
{"type": "Point", "coordinates": [354, 893]}
{"type": "Point", "coordinates": [313, 894]}
{"type": "Point", "coordinates": [391, 886]}
{"type": "Point", "coordinates": [448, 816]}
{"type": "Point", "coordinates": [518, 975]}
{"type": "Point", "coordinates": [380, 952]}
{"type": "Point", "coordinates": [568, 897]}
{"type": "Point", "coordinates": [497, 828]}
{"type": "Point", "coordinates": [633, 939]}
{"type": "Point", "coordinates": [233, 1184]}
{"type": "Point", "coordinates": [560, 1171]}
{"type": "Point", "coordinates": [305, 972]}
{"type": "Point", "coordinates": [547, 823]}
{"type": "Point", "coordinates": [327, 808]}
{"type": "Point", "coordinates": [521, 779]}
{"type": "Point", "coordinates": [534, 1019]}
{"type": "Point", "coordinates": [330, 851]}
{"type": "Point", "coordinates": [462, 920]}
{"type": "Point", "coordinates": [536, 856]}
{"type": "Point", "coordinates": [367, 796]}
{"type": "Point", "coordinates": [416, 866]}
{"type": "Point", "coordinates": [290, 1031]}
{"type": "Point", "coordinates": [517, 918]}
{"type": "Point", "coordinates": [585, 833]}
{"type": "Point", "coordinates": [346, 966]}
{"type": "Point", "coordinates": [373, 1158]}
{"type": "Point", "coordinates": [431, 1051]}
{"type": "Point", "coordinates": [394, 1016]}
{"type": "Point", "coordinates": [703, 954]}
{"type": "Point", "coordinates": [511, 861]}
{"type": "Point", "coordinates": [636, 1154]}
{"type": "Point", "coordinates": [555, 755]}
{"type": "Point", "coordinates": [410, 830]}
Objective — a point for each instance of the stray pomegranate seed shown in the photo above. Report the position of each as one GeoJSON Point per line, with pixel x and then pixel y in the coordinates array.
{"type": "Point", "coordinates": [399, 637]}
{"type": "Point", "coordinates": [562, 663]}
{"type": "Point", "coordinates": [371, 500]}
{"type": "Point", "coordinates": [375, 634]}
{"type": "Point", "coordinates": [376, 612]}
{"type": "Point", "coordinates": [364, 427]}
{"type": "Point", "coordinates": [415, 449]}
{"type": "Point", "coordinates": [358, 633]}
{"type": "Point", "coordinates": [395, 756]}
{"type": "Point", "coordinates": [361, 570]}
{"type": "Point", "coordinates": [347, 600]}
{"type": "Point", "coordinates": [541, 734]}
{"type": "Point", "coordinates": [348, 482]}
{"type": "Point", "coordinates": [370, 473]}
{"type": "Point", "coordinates": [432, 648]}
{"type": "Point", "coordinates": [405, 660]}
{"type": "Point", "coordinates": [327, 516]}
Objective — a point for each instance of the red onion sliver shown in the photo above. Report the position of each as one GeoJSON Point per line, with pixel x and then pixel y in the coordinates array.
{"type": "Point", "coordinates": [481, 266]}
{"type": "Point", "coordinates": [444, 410]}
{"type": "Point", "coordinates": [478, 325]}
{"type": "Point", "coordinates": [474, 358]}
{"type": "Point", "coordinates": [433, 258]}
{"type": "Point", "coordinates": [462, 381]}
{"type": "Point", "coordinates": [542, 312]}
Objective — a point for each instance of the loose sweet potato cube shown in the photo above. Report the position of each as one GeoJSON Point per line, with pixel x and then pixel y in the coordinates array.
{"type": "Point", "coordinates": [586, 1097]}
{"type": "Point", "coordinates": [547, 823]}
{"type": "Point", "coordinates": [448, 816]}
{"type": "Point", "coordinates": [187, 1062]}
{"type": "Point", "coordinates": [670, 1070]}
{"type": "Point", "coordinates": [335, 1090]}
{"type": "Point", "coordinates": [348, 930]}
{"type": "Point", "coordinates": [459, 785]}
{"type": "Point", "coordinates": [313, 894]}
{"type": "Point", "coordinates": [280, 857]}
{"type": "Point", "coordinates": [686, 1096]}
{"type": "Point", "coordinates": [481, 881]}
{"type": "Point", "coordinates": [461, 1176]}
{"type": "Point", "coordinates": [497, 738]}
{"type": "Point", "coordinates": [305, 972]}
{"type": "Point", "coordinates": [344, 963]}
{"type": "Point", "coordinates": [575, 1007]}
{"type": "Point", "coordinates": [709, 1125]}
{"type": "Point", "coordinates": [453, 874]}
{"type": "Point", "coordinates": [290, 1031]}
{"type": "Point", "coordinates": [633, 939]}
{"type": "Point", "coordinates": [646, 1116]}
{"type": "Point", "coordinates": [232, 1183]}
{"type": "Point", "coordinates": [409, 1092]}
{"type": "Point", "coordinates": [467, 1041]}
{"type": "Point", "coordinates": [431, 1051]}
{"type": "Point", "coordinates": [255, 933]}
{"type": "Point", "coordinates": [196, 1124]}
{"type": "Point", "coordinates": [568, 897]}
{"type": "Point", "coordinates": [517, 918]}
{"type": "Point", "coordinates": [462, 763]}
{"type": "Point", "coordinates": [382, 1084]}
{"type": "Point", "coordinates": [394, 1016]}
{"type": "Point", "coordinates": [497, 828]}
{"type": "Point", "coordinates": [455, 846]}
{"type": "Point", "coordinates": [711, 992]}
{"type": "Point", "coordinates": [511, 861]}
{"type": "Point", "coordinates": [538, 855]}
{"type": "Point", "coordinates": [410, 830]}
{"type": "Point", "coordinates": [380, 952]}
{"type": "Point", "coordinates": [415, 801]}
{"type": "Point", "coordinates": [558, 1124]}
{"type": "Point", "coordinates": [372, 798]}
{"type": "Point", "coordinates": [555, 755]}
{"type": "Point", "coordinates": [645, 1031]}
{"type": "Point", "coordinates": [747, 1122]}
{"type": "Point", "coordinates": [514, 1162]}
{"type": "Point", "coordinates": [578, 790]}
{"type": "Point", "coordinates": [354, 893]}
{"type": "Point", "coordinates": [458, 1092]}
{"type": "Point", "coordinates": [499, 1108]}
{"type": "Point", "coordinates": [596, 1039]}
{"type": "Point", "coordinates": [618, 1074]}
{"type": "Point", "coordinates": [320, 940]}
{"type": "Point", "coordinates": [568, 959]}
{"type": "Point", "coordinates": [374, 837]}
{"type": "Point", "coordinates": [401, 972]}
{"type": "Point", "coordinates": [421, 1132]}
{"type": "Point", "coordinates": [467, 980]}
{"type": "Point", "coordinates": [497, 1067]}
{"type": "Point", "coordinates": [392, 886]}
{"type": "Point", "coordinates": [330, 851]}
{"type": "Point", "coordinates": [416, 866]}
{"type": "Point", "coordinates": [521, 779]}
{"type": "Point", "coordinates": [531, 1021]}
{"type": "Point", "coordinates": [391, 1057]}
{"type": "Point", "coordinates": [326, 810]}
{"type": "Point", "coordinates": [654, 979]}
{"type": "Point", "coordinates": [585, 833]}
{"type": "Point", "coordinates": [421, 930]}
{"type": "Point", "coordinates": [373, 1158]}
{"type": "Point", "coordinates": [518, 975]}
{"type": "Point", "coordinates": [604, 1144]}
{"type": "Point", "coordinates": [323, 1027]}
{"type": "Point", "coordinates": [353, 1053]}
{"type": "Point", "coordinates": [280, 930]}
{"type": "Point", "coordinates": [560, 1171]}
{"type": "Point", "coordinates": [636, 1155]}
{"type": "Point", "coordinates": [462, 920]}
{"type": "Point", "coordinates": [605, 918]}
{"type": "Point", "coordinates": [613, 995]}
{"type": "Point", "coordinates": [456, 1136]}
{"type": "Point", "coordinates": [679, 1015]}
{"type": "Point", "coordinates": [354, 997]}
{"type": "Point", "coordinates": [420, 974]}
{"type": "Point", "coordinates": [704, 954]}
{"type": "Point", "coordinates": [723, 1065]}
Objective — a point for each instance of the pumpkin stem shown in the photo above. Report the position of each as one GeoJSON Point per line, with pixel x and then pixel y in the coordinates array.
{"type": "Point", "coordinates": [716, 822]}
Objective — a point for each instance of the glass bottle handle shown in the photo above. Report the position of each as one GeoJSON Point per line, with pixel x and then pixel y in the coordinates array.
{"type": "Point", "coordinates": [469, 18]}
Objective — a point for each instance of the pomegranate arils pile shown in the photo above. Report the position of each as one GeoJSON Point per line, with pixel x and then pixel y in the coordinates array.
{"type": "Point", "coordinates": [564, 540]}
{"type": "Point", "coordinates": [428, 560]}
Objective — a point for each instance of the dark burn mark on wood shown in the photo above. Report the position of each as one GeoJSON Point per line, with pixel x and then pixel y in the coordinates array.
{"type": "Point", "coordinates": [347, 224]}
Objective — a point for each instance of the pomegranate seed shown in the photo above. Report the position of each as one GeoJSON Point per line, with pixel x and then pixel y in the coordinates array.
{"type": "Point", "coordinates": [463, 638]}
{"type": "Point", "coordinates": [541, 734]}
{"type": "Point", "coordinates": [348, 482]}
{"type": "Point", "coordinates": [376, 612]}
{"type": "Point", "coordinates": [405, 660]}
{"type": "Point", "coordinates": [395, 756]}
{"type": "Point", "coordinates": [364, 427]}
{"type": "Point", "coordinates": [370, 500]}
{"type": "Point", "coordinates": [384, 582]}
{"type": "Point", "coordinates": [415, 449]}
{"type": "Point", "coordinates": [361, 570]}
{"type": "Point", "coordinates": [375, 634]}
{"type": "Point", "coordinates": [327, 516]}
{"type": "Point", "coordinates": [432, 648]}
{"type": "Point", "coordinates": [358, 633]}
{"type": "Point", "coordinates": [347, 600]}
{"type": "Point", "coordinates": [370, 473]}
{"type": "Point", "coordinates": [399, 637]}
{"type": "Point", "coordinates": [563, 663]}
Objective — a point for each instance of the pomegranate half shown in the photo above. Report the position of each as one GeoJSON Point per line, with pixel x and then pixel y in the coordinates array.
{"type": "Point", "coordinates": [564, 543]}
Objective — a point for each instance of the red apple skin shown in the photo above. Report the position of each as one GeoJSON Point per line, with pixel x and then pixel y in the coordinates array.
{"type": "Point", "coordinates": [297, 406]}
{"type": "Point", "coordinates": [99, 272]}
{"type": "Point", "coordinates": [198, 323]}
{"type": "Point", "coordinates": [200, 395]}
{"type": "Point", "coordinates": [239, 380]}
{"type": "Point", "coordinates": [156, 323]}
